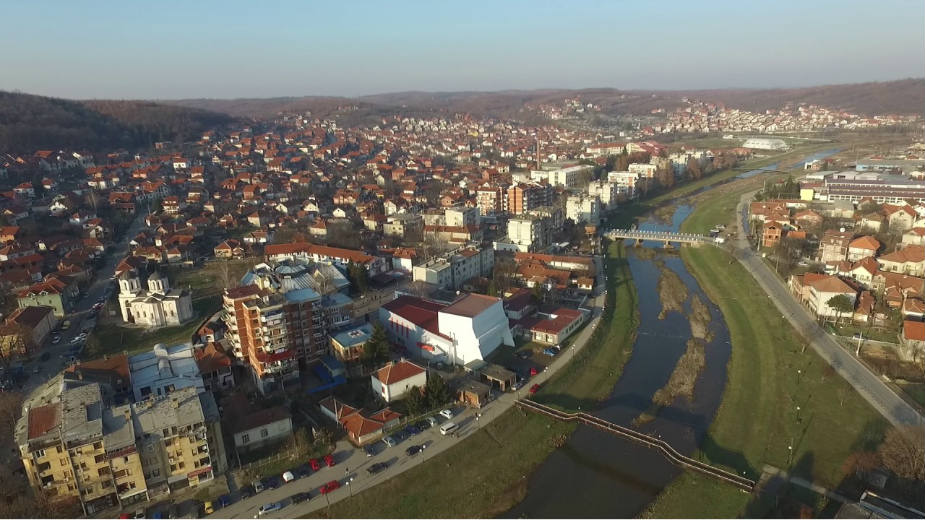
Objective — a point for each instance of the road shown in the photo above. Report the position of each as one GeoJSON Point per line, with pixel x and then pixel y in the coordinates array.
{"type": "Point", "coordinates": [865, 382]}
{"type": "Point", "coordinates": [353, 462]}
{"type": "Point", "coordinates": [81, 313]}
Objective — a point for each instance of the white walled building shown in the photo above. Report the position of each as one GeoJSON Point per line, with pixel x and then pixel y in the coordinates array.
{"type": "Point", "coordinates": [567, 176]}
{"type": "Point", "coordinates": [469, 329]}
{"type": "Point", "coordinates": [605, 191]}
{"type": "Point", "coordinates": [158, 306]}
{"type": "Point", "coordinates": [583, 208]}
{"type": "Point", "coordinates": [393, 381]}
{"type": "Point", "coordinates": [626, 183]}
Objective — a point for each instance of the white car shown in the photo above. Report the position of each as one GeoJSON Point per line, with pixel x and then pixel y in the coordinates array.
{"type": "Point", "coordinates": [447, 413]}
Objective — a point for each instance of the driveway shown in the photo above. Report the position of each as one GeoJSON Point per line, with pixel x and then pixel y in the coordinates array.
{"type": "Point", "coordinates": [865, 382]}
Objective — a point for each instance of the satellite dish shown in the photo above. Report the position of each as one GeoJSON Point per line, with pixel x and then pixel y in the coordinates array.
{"type": "Point", "coordinates": [841, 229]}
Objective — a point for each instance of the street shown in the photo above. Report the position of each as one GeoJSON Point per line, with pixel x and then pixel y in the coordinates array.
{"type": "Point", "coordinates": [866, 383]}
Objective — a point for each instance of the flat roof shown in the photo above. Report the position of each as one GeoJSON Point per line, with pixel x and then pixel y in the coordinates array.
{"type": "Point", "coordinates": [471, 305]}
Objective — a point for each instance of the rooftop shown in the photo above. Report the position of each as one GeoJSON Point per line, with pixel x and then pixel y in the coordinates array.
{"type": "Point", "coordinates": [471, 305]}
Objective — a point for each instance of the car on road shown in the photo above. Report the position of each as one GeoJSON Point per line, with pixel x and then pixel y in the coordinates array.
{"type": "Point", "coordinates": [314, 464]}
{"type": "Point", "coordinates": [369, 451]}
{"type": "Point", "coordinates": [269, 508]}
{"type": "Point", "coordinates": [447, 413]}
{"type": "Point", "coordinates": [551, 352]}
{"type": "Point", "coordinates": [258, 486]}
{"type": "Point", "coordinates": [535, 388]}
{"type": "Point", "coordinates": [330, 486]}
{"type": "Point", "coordinates": [288, 476]}
{"type": "Point", "coordinates": [272, 482]}
{"type": "Point", "coordinates": [55, 339]}
{"type": "Point", "coordinates": [329, 460]}
{"type": "Point", "coordinates": [298, 498]}
{"type": "Point", "coordinates": [414, 449]}
{"type": "Point", "coordinates": [390, 441]}
{"type": "Point", "coordinates": [302, 471]}
{"type": "Point", "coordinates": [208, 508]}
{"type": "Point", "coordinates": [377, 467]}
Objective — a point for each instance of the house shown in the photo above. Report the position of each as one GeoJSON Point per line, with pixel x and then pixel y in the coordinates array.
{"type": "Point", "coordinates": [25, 330]}
{"type": "Point", "coordinates": [908, 260]}
{"type": "Point", "coordinates": [834, 246]}
{"type": "Point", "coordinates": [214, 367]}
{"type": "Point", "coordinates": [824, 289]}
{"type": "Point", "coordinates": [770, 234]}
{"type": "Point", "coordinates": [54, 292]}
{"type": "Point", "coordinates": [393, 381]}
{"type": "Point", "coordinates": [362, 427]}
{"type": "Point", "coordinates": [254, 427]}
{"type": "Point", "coordinates": [912, 340]}
{"type": "Point", "coordinates": [552, 327]}
{"type": "Point", "coordinates": [164, 370]}
{"type": "Point", "coordinates": [348, 344]}
{"type": "Point", "coordinates": [229, 249]}
{"type": "Point", "coordinates": [862, 247]}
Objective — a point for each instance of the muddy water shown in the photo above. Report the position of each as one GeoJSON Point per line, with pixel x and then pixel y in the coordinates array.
{"type": "Point", "coordinates": [598, 475]}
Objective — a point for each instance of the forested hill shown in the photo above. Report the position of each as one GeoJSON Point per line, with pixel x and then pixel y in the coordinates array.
{"type": "Point", "coordinates": [29, 123]}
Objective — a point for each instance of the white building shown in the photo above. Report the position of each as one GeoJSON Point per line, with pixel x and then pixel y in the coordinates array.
{"type": "Point", "coordinates": [469, 329]}
{"type": "Point", "coordinates": [583, 208]}
{"type": "Point", "coordinates": [461, 216]}
{"type": "Point", "coordinates": [763, 143]}
{"type": "Point", "coordinates": [158, 306]}
{"type": "Point", "coordinates": [567, 177]}
{"type": "Point", "coordinates": [645, 170]}
{"type": "Point", "coordinates": [626, 183]}
{"type": "Point", "coordinates": [393, 381]}
{"type": "Point", "coordinates": [451, 270]}
{"type": "Point", "coordinates": [605, 191]}
{"type": "Point", "coordinates": [164, 370]}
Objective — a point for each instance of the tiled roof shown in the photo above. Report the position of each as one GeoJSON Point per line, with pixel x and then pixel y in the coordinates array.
{"type": "Point", "coordinates": [395, 372]}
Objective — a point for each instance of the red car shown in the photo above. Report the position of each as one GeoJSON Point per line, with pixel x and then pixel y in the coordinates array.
{"type": "Point", "coordinates": [329, 460]}
{"type": "Point", "coordinates": [534, 389]}
{"type": "Point", "coordinates": [330, 486]}
{"type": "Point", "coordinates": [315, 464]}
{"type": "Point", "coordinates": [533, 371]}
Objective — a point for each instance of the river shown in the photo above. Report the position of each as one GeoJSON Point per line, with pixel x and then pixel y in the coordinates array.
{"type": "Point", "coordinates": [597, 475]}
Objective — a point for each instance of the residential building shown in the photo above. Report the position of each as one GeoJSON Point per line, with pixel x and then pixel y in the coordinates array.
{"type": "Point", "coordinates": [164, 370]}
{"type": "Point", "coordinates": [525, 197]}
{"type": "Point", "coordinates": [395, 380]}
{"type": "Point", "coordinates": [404, 225]}
{"type": "Point", "coordinates": [583, 208]}
{"type": "Point", "coordinates": [26, 329]}
{"type": "Point", "coordinates": [214, 366]}
{"type": "Point", "coordinates": [254, 427]}
{"type": "Point", "coordinates": [824, 289]}
{"type": "Point", "coordinates": [554, 326]}
{"type": "Point", "coordinates": [347, 345]}
{"type": "Point", "coordinates": [56, 292]}
{"type": "Point", "coordinates": [452, 269]}
{"type": "Point", "coordinates": [325, 254]}
{"type": "Point", "coordinates": [862, 247]}
{"type": "Point", "coordinates": [561, 174]}
{"type": "Point", "coordinates": [626, 184]}
{"type": "Point", "coordinates": [912, 340]}
{"type": "Point", "coordinates": [834, 246]}
{"type": "Point", "coordinates": [909, 260]}
{"type": "Point", "coordinates": [362, 427]}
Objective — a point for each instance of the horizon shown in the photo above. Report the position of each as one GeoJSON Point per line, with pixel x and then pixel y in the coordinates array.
{"type": "Point", "coordinates": [475, 91]}
{"type": "Point", "coordinates": [244, 51]}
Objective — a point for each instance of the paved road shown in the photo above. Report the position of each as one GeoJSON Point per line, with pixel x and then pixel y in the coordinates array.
{"type": "Point", "coordinates": [353, 462]}
{"type": "Point", "coordinates": [868, 384]}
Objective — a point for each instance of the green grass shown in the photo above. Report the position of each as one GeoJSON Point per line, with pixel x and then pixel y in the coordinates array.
{"type": "Point", "coordinates": [488, 468]}
{"type": "Point", "coordinates": [914, 390]}
{"type": "Point", "coordinates": [769, 375]}
{"type": "Point", "coordinates": [682, 499]}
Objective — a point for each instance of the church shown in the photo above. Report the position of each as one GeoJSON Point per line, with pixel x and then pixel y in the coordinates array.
{"type": "Point", "coordinates": [158, 306]}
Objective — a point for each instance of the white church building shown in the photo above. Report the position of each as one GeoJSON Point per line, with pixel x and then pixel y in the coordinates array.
{"type": "Point", "coordinates": [158, 306]}
{"type": "Point", "coordinates": [468, 329]}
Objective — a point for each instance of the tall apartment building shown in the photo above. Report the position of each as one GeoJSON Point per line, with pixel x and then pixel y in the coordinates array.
{"type": "Point", "coordinates": [534, 231]}
{"type": "Point", "coordinates": [179, 438]}
{"type": "Point", "coordinates": [524, 197]}
{"type": "Point", "coordinates": [561, 174]}
{"type": "Point", "coordinates": [74, 444]}
{"type": "Point", "coordinates": [451, 270]}
{"type": "Point", "coordinates": [277, 321]}
{"type": "Point", "coordinates": [491, 199]}
{"type": "Point", "coordinates": [77, 447]}
{"type": "Point", "coordinates": [583, 208]}
{"type": "Point", "coordinates": [607, 192]}
{"type": "Point", "coordinates": [461, 216]}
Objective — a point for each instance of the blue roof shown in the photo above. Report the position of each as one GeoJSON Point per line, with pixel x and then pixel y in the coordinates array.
{"type": "Point", "coordinates": [355, 336]}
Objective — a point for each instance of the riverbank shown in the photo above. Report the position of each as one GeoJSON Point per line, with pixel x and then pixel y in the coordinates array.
{"type": "Point", "coordinates": [778, 395]}
{"type": "Point", "coordinates": [489, 469]}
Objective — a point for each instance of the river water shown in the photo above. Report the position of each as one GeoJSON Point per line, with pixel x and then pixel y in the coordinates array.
{"type": "Point", "coordinates": [597, 475]}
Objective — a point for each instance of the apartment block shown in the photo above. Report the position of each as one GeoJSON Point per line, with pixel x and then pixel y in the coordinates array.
{"type": "Point", "coordinates": [524, 197]}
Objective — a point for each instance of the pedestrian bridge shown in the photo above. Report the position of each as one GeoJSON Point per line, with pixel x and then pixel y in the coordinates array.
{"type": "Point", "coordinates": [651, 442]}
{"type": "Point", "coordinates": [660, 236]}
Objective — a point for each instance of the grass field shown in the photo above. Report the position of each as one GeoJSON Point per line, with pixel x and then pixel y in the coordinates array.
{"type": "Point", "coordinates": [777, 395]}
{"type": "Point", "coordinates": [489, 468]}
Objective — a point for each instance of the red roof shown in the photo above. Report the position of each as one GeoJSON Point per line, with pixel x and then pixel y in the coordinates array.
{"type": "Point", "coordinates": [914, 330]}
{"type": "Point", "coordinates": [42, 420]}
{"type": "Point", "coordinates": [419, 311]}
{"type": "Point", "coordinates": [395, 372]}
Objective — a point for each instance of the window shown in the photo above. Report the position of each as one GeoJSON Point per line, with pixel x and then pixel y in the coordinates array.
{"type": "Point", "coordinates": [38, 453]}
{"type": "Point", "coordinates": [245, 438]}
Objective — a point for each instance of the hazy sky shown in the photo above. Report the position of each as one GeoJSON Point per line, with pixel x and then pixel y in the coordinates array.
{"type": "Point", "coordinates": [166, 49]}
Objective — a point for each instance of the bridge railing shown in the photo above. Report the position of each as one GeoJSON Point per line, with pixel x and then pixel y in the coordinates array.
{"type": "Point", "coordinates": [667, 449]}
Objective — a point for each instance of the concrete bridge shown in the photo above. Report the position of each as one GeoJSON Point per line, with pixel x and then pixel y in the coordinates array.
{"type": "Point", "coordinates": [651, 442]}
{"type": "Point", "coordinates": [660, 236]}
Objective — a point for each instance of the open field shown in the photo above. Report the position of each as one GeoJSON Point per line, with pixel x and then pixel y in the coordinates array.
{"type": "Point", "coordinates": [778, 395]}
{"type": "Point", "coordinates": [489, 466]}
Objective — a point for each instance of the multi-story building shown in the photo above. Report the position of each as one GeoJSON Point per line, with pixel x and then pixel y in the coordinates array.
{"type": "Point", "coordinates": [524, 197]}
{"type": "Point", "coordinates": [451, 270]}
{"type": "Point", "coordinates": [567, 176]}
{"type": "Point", "coordinates": [534, 231]}
{"type": "Point", "coordinates": [880, 187]}
{"type": "Point", "coordinates": [179, 438]}
{"type": "Point", "coordinates": [76, 447]}
{"type": "Point", "coordinates": [461, 216]}
{"type": "Point", "coordinates": [626, 184]}
{"type": "Point", "coordinates": [404, 225]}
{"type": "Point", "coordinates": [277, 320]}
{"type": "Point", "coordinates": [607, 192]}
{"type": "Point", "coordinates": [583, 208]}
{"type": "Point", "coordinates": [491, 199]}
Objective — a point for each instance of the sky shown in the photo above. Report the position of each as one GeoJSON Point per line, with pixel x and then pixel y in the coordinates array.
{"type": "Point", "coordinates": [228, 49]}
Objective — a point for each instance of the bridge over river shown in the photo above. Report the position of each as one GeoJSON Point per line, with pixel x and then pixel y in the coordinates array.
{"type": "Point", "coordinates": [666, 449]}
{"type": "Point", "coordinates": [660, 236]}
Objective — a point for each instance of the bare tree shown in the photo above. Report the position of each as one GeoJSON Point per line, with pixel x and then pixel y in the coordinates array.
{"type": "Point", "coordinates": [903, 452]}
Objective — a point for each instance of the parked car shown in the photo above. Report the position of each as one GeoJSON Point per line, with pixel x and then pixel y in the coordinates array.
{"type": "Point", "coordinates": [258, 486]}
{"type": "Point", "coordinates": [302, 471]}
{"type": "Point", "coordinates": [412, 430]}
{"type": "Point", "coordinates": [314, 464]}
{"type": "Point", "coordinates": [414, 449]}
{"type": "Point", "coordinates": [523, 354]}
{"type": "Point", "coordinates": [533, 371]}
{"type": "Point", "coordinates": [390, 441]}
{"type": "Point", "coordinates": [288, 476]}
{"type": "Point", "coordinates": [535, 388]}
{"type": "Point", "coordinates": [329, 460]}
{"type": "Point", "coordinates": [55, 339]}
{"type": "Point", "coordinates": [432, 420]}
{"type": "Point", "coordinates": [447, 413]}
{"type": "Point", "coordinates": [223, 501]}
{"type": "Point", "coordinates": [298, 498]}
{"type": "Point", "coordinates": [269, 508]}
{"type": "Point", "coordinates": [208, 508]}
{"type": "Point", "coordinates": [369, 451]}
{"type": "Point", "coordinates": [377, 467]}
{"type": "Point", "coordinates": [272, 482]}
{"type": "Point", "coordinates": [550, 352]}
{"type": "Point", "coordinates": [329, 487]}
{"type": "Point", "coordinates": [422, 425]}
